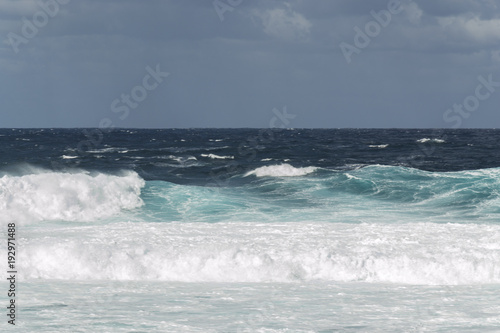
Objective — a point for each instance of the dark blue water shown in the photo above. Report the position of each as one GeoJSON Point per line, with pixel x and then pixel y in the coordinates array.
{"type": "Point", "coordinates": [183, 155]}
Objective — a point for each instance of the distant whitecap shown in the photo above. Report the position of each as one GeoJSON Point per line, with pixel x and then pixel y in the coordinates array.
{"type": "Point", "coordinates": [281, 170]}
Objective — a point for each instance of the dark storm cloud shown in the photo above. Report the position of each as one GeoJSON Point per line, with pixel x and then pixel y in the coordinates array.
{"type": "Point", "coordinates": [232, 66]}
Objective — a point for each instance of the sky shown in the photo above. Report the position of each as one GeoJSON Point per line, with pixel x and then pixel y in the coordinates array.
{"type": "Point", "coordinates": [241, 63]}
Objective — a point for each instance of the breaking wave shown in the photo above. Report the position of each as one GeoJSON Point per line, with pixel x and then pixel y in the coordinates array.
{"type": "Point", "coordinates": [81, 196]}
{"type": "Point", "coordinates": [281, 170]}
{"type": "Point", "coordinates": [423, 253]}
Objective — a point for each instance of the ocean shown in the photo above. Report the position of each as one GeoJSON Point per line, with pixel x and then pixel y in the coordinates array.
{"type": "Point", "coordinates": [252, 230]}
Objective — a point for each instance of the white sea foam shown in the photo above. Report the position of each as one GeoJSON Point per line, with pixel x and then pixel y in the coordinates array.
{"type": "Point", "coordinates": [68, 157]}
{"type": "Point", "coordinates": [217, 157]}
{"type": "Point", "coordinates": [379, 146]}
{"type": "Point", "coordinates": [102, 150]}
{"type": "Point", "coordinates": [435, 140]}
{"type": "Point", "coordinates": [281, 170]}
{"type": "Point", "coordinates": [81, 196]}
{"type": "Point", "coordinates": [109, 150]}
{"type": "Point", "coordinates": [418, 253]}
{"type": "Point", "coordinates": [181, 159]}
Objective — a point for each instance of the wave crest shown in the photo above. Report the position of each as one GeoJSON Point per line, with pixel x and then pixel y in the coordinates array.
{"type": "Point", "coordinates": [217, 157]}
{"type": "Point", "coordinates": [281, 170]}
{"type": "Point", "coordinates": [67, 196]}
{"type": "Point", "coordinates": [435, 140]}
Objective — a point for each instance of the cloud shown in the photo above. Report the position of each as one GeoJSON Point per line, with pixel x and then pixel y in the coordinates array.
{"type": "Point", "coordinates": [95, 50]}
{"type": "Point", "coordinates": [495, 57]}
{"type": "Point", "coordinates": [472, 28]}
{"type": "Point", "coordinates": [446, 28]}
{"type": "Point", "coordinates": [413, 13]}
{"type": "Point", "coordinates": [284, 24]}
{"type": "Point", "coordinates": [17, 8]}
{"type": "Point", "coordinates": [483, 30]}
{"type": "Point", "coordinates": [443, 8]}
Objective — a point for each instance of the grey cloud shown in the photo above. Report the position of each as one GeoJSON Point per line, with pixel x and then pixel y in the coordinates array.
{"type": "Point", "coordinates": [264, 54]}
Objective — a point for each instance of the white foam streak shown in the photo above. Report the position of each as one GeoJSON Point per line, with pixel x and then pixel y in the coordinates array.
{"type": "Point", "coordinates": [109, 150]}
{"type": "Point", "coordinates": [217, 157]}
{"type": "Point", "coordinates": [435, 140]}
{"type": "Point", "coordinates": [379, 146]}
{"type": "Point", "coordinates": [181, 159]}
{"type": "Point", "coordinates": [67, 196]}
{"type": "Point", "coordinates": [281, 170]}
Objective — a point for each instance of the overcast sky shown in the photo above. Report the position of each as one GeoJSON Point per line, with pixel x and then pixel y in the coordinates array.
{"type": "Point", "coordinates": [330, 63]}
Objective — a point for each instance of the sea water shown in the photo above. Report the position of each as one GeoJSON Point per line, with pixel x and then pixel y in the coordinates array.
{"type": "Point", "coordinates": [252, 230]}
